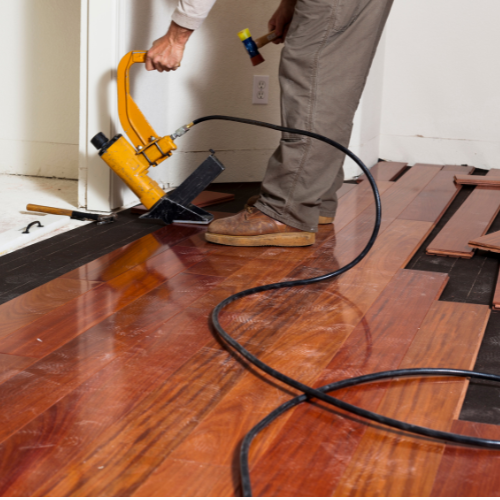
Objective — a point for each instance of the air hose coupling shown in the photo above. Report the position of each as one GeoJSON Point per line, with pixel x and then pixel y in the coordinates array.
{"type": "Point", "coordinates": [181, 131]}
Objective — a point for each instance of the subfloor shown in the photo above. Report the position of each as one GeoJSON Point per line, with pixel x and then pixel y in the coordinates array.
{"type": "Point", "coordinates": [113, 382]}
{"type": "Point", "coordinates": [17, 191]}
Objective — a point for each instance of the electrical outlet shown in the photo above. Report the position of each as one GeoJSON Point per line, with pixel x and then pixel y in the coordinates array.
{"type": "Point", "coordinates": [260, 89]}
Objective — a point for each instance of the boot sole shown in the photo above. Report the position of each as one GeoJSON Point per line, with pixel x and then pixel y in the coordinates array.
{"type": "Point", "coordinates": [263, 240]}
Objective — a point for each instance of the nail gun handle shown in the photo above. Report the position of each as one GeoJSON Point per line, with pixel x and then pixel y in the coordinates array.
{"type": "Point", "coordinates": [49, 210]}
{"type": "Point", "coordinates": [133, 121]}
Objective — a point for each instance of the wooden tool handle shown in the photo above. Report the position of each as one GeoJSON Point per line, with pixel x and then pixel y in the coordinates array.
{"type": "Point", "coordinates": [264, 40]}
{"type": "Point", "coordinates": [49, 210]}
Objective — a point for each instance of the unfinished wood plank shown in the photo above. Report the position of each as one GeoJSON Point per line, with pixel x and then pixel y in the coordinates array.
{"type": "Point", "coordinates": [477, 180]}
{"type": "Point", "coordinates": [431, 204]}
{"type": "Point", "coordinates": [470, 221]}
{"type": "Point", "coordinates": [490, 242]}
{"type": "Point", "coordinates": [391, 463]}
{"type": "Point", "coordinates": [457, 168]}
{"type": "Point", "coordinates": [466, 471]}
{"type": "Point", "coordinates": [29, 307]}
{"type": "Point", "coordinates": [385, 171]}
{"type": "Point", "coordinates": [322, 436]}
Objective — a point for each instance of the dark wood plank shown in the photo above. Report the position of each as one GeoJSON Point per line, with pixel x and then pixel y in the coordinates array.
{"type": "Point", "coordinates": [434, 200]}
{"type": "Point", "coordinates": [66, 322]}
{"type": "Point", "coordinates": [467, 471]}
{"type": "Point", "coordinates": [389, 463]}
{"type": "Point", "coordinates": [378, 343]}
{"type": "Point", "coordinates": [470, 221]}
{"type": "Point", "coordinates": [385, 171]}
{"type": "Point", "coordinates": [29, 307]}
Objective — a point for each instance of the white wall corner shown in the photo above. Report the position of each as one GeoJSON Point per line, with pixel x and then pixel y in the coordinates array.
{"type": "Point", "coordinates": [365, 138]}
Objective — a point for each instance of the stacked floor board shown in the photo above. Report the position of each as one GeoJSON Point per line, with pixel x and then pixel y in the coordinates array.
{"type": "Point", "coordinates": [471, 220]}
{"type": "Point", "coordinates": [112, 382]}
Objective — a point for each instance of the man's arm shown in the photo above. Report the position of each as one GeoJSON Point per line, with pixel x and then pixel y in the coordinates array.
{"type": "Point", "coordinates": [166, 52]}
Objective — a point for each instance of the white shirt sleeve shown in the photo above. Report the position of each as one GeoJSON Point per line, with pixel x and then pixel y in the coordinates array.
{"type": "Point", "coordinates": [190, 14]}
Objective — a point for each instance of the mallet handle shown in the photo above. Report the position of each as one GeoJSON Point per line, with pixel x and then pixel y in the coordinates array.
{"type": "Point", "coordinates": [49, 210]}
{"type": "Point", "coordinates": [264, 40]}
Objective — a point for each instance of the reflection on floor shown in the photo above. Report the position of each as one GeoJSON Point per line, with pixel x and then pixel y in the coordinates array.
{"type": "Point", "coordinates": [112, 382]}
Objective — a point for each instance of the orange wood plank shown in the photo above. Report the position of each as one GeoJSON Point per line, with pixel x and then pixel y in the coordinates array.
{"type": "Point", "coordinates": [470, 221]}
{"type": "Point", "coordinates": [29, 307]}
{"type": "Point", "coordinates": [467, 471]}
{"type": "Point", "coordinates": [385, 171]}
{"type": "Point", "coordinates": [12, 365]}
{"type": "Point", "coordinates": [391, 463]}
{"type": "Point", "coordinates": [434, 200]}
{"type": "Point", "coordinates": [323, 437]}
{"type": "Point", "coordinates": [134, 254]}
{"type": "Point", "coordinates": [212, 371]}
{"type": "Point", "coordinates": [68, 321]}
{"type": "Point", "coordinates": [457, 168]}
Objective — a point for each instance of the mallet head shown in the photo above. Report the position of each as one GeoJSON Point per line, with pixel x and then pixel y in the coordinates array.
{"type": "Point", "coordinates": [251, 47]}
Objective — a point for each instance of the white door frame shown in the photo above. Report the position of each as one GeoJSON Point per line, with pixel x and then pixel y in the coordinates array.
{"type": "Point", "coordinates": [98, 108]}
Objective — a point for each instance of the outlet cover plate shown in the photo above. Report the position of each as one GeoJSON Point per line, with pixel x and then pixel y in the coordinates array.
{"type": "Point", "coordinates": [260, 89]}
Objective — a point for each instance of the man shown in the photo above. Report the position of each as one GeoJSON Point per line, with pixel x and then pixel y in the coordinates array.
{"type": "Point", "coordinates": [330, 45]}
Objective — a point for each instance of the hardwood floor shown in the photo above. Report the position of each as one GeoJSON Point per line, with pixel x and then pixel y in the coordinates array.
{"type": "Point", "coordinates": [113, 383]}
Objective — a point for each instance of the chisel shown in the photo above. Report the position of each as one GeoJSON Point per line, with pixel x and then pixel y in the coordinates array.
{"type": "Point", "coordinates": [73, 214]}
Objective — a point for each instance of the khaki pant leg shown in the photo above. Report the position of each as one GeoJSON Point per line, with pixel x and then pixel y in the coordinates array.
{"type": "Point", "coordinates": [324, 65]}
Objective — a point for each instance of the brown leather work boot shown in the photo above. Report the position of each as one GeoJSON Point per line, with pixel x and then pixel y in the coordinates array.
{"type": "Point", "coordinates": [252, 228]}
{"type": "Point", "coordinates": [321, 220]}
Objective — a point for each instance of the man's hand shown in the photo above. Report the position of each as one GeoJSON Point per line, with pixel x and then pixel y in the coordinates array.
{"type": "Point", "coordinates": [166, 52]}
{"type": "Point", "coordinates": [280, 22]}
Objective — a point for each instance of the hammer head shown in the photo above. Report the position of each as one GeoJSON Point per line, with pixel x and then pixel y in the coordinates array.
{"type": "Point", "coordinates": [251, 47]}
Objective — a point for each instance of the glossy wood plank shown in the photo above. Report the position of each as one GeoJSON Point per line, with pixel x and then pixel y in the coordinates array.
{"type": "Point", "coordinates": [467, 471]}
{"type": "Point", "coordinates": [385, 171]}
{"type": "Point", "coordinates": [80, 420]}
{"type": "Point", "coordinates": [12, 365]}
{"type": "Point", "coordinates": [123, 259]}
{"type": "Point", "coordinates": [36, 389]}
{"type": "Point", "coordinates": [399, 242]}
{"type": "Point", "coordinates": [470, 221]}
{"type": "Point", "coordinates": [29, 307]}
{"type": "Point", "coordinates": [390, 463]}
{"type": "Point", "coordinates": [431, 204]}
{"type": "Point", "coordinates": [212, 371]}
{"type": "Point", "coordinates": [70, 320]}
{"type": "Point", "coordinates": [356, 201]}
{"type": "Point", "coordinates": [378, 343]}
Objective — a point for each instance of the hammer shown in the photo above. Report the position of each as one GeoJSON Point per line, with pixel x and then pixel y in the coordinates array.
{"type": "Point", "coordinates": [254, 46]}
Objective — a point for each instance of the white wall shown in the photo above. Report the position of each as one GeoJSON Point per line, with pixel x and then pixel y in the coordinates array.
{"type": "Point", "coordinates": [441, 101]}
{"type": "Point", "coordinates": [216, 77]}
{"type": "Point", "coordinates": [39, 88]}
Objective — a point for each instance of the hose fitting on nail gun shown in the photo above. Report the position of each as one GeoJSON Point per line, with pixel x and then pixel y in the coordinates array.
{"type": "Point", "coordinates": [181, 131]}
